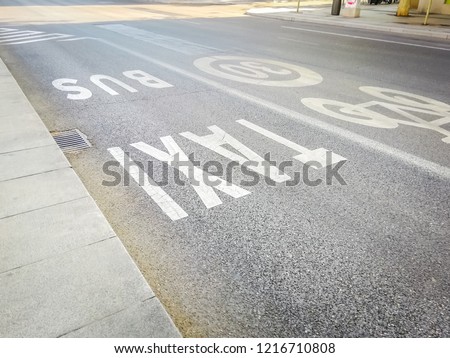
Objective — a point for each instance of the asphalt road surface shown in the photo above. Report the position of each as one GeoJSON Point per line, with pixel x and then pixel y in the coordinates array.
{"type": "Point", "coordinates": [365, 254]}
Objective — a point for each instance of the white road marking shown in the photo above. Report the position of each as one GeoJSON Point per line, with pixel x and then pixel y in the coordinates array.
{"type": "Point", "coordinates": [146, 79]}
{"type": "Point", "coordinates": [306, 155]}
{"type": "Point", "coordinates": [169, 42]}
{"type": "Point", "coordinates": [367, 38]}
{"type": "Point", "coordinates": [81, 93]}
{"type": "Point", "coordinates": [39, 38]}
{"type": "Point", "coordinates": [440, 121]}
{"type": "Point", "coordinates": [401, 104]}
{"type": "Point", "coordinates": [10, 35]}
{"type": "Point", "coordinates": [25, 37]}
{"type": "Point", "coordinates": [188, 21]}
{"type": "Point", "coordinates": [299, 41]}
{"type": "Point", "coordinates": [406, 98]}
{"type": "Point", "coordinates": [219, 138]}
{"type": "Point", "coordinates": [79, 38]}
{"type": "Point", "coordinates": [363, 142]}
{"type": "Point", "coordinates": [258, 71]}
{"type": "Point", "coordinates": [350, 113]}
{"type": "Point", "coordinates": [204, 191]}
{"type": "Point", "coordinates": [97, 80]}
{"type": "Point", "coordinates": [3, 29]}
{"type": "Point", "coordinates": [158, 195]}
{"type": "Point", "coordinates": [16, 37]}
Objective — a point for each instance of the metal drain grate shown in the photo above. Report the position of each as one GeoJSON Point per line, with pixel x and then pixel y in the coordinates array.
{"type": "Point", "coordinates": [70, 141]}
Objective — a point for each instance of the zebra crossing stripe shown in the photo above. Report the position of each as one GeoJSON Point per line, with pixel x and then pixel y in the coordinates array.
{"type": "Point", "coordinates": [2, 29]}
{"type": "Point", "coordinates": [27, 37]}
{"type": "Point", "coordinates": [19, 34]}
{"type": "Point", "coordinates": [36, 38]}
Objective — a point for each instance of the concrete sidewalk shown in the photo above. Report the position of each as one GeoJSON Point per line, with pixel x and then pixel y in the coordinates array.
{"type": "Point", "coordinates": [373, 17]}
{"type": "Point", "coordinates": [63, 270]}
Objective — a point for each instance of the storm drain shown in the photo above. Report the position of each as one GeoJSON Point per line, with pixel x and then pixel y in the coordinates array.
{"type": "Point", "coordinates": [70, 141]}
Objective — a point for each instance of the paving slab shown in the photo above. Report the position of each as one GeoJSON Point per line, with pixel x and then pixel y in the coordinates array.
{"type": "Point", "coordinates": [39, 191]}
{"type": "Point", "coordinates": [22, 132]}
{"type": "Point", "coordinates": [56, 296]}
{"type": "Point", "coordinates": [14, 102]}
{"type": "Point", "coordinates": [47, 232]}
{"type": "Point", "coordinates": [31, 161]}
{"type": "Point", "coordinates": [147, 319]}
{"type": "Point", "coordinates": [20, 126]}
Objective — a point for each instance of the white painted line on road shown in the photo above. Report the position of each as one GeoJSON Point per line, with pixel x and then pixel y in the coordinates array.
{"type": "Point", "coordinates": [83, 93]}
{"type": "Point", "coordinates": [37, 38]}
{"type": "Point", "coordinates": [97, 80]}
{"type": "Point", "coordinates": [362, 141]}
{"type": "Point", "coordinates": [159, 196]}
{"type": "Point", "coordinates": [3, 29]}
{"type": "Point", "coordinates": [317, 155]}
{"type": "Point", "coordinates": [79, 38]}
{"type": "Point", "coordinates": [273, 136]}
{"type": "Point", "coordinates": [410, 110]}
{"type": "Point", "coordinates": [25, 37]}
{"type": "Point", "coordinates": [367, 38]}
{"type": "Point", "coordinates": [175, 157]}
{"type": "Point", "coordinates": [258, 71]}
{"type": "Point", "coordinates": [219, 139]}
{"type": "Point", "coordinates": [188, 21]}
{"type": "Point", "coordinates": [441, 121]}
{"type": "Point", "coordinates": [15, 37]}
{"type": "Point", "coordinates": [298, 41]}
{"type": "Point", "coordinates": [168, 42]}
{"type": "Point", "coordinates": [10, 35]}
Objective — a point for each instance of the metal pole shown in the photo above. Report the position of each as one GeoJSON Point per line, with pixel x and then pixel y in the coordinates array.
{"type": "Point", "coordinates": [428, 13]}
{"type": "Point", "coordinates": [298, 6]}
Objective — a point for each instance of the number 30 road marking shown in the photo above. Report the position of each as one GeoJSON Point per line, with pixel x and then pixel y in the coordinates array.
{"type": "Point", "coordinates": [258, 71]}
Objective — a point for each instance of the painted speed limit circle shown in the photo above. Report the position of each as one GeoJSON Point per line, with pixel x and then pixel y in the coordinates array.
{"type": "Point", "coordinates": [258, 71]}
